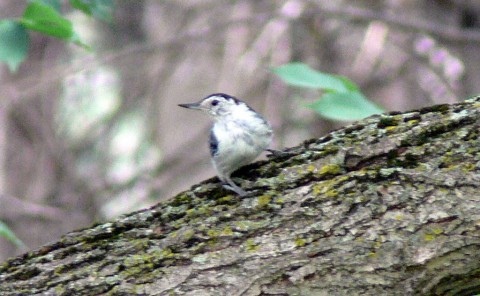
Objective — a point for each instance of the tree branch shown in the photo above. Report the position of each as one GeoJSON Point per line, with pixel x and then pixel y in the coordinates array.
{"type": "Point", "coordinates": [447, 33]}
{"type": "Point", "coordinates": [385, 206]}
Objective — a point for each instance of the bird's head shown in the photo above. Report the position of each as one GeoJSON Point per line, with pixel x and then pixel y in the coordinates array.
{"type": "Point", "coordinates": [219, 105]}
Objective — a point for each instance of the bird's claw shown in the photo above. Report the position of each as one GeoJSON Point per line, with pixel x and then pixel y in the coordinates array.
{"type": "Point", "coordinates": [277, 153]}
{"type": "Point", "coordinates": [235, 189]}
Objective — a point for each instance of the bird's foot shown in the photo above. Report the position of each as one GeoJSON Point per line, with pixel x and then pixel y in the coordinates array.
{"type": "Point", "coordinates": [277, 153]}
{"type": "Point", "coordinates": [235, 189]}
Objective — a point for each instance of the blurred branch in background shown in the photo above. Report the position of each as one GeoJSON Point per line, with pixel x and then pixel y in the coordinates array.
{"type": "Point", "coordinates": [88, 135]}
{"type": "Point", "coordinates": [440, 30]}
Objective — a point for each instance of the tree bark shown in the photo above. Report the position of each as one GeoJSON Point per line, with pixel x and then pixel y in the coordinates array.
{"type": "Point", "coordinates": [386, 206]}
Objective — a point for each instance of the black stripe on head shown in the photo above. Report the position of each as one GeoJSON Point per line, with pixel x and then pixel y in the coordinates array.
{"type": "Point", "coordinates": [226, 97]}
{"type": "Point", "coordinates": [230, 98]}
{"type": "Point", "coordinates": [213, 142]}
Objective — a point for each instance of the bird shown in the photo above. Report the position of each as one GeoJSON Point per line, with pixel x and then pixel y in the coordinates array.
{"type": "Point", "coordinates": [238, 135]}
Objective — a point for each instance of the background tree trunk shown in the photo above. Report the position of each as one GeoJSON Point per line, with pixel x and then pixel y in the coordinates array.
{"type": "Point", "coordinates": [386, 206]}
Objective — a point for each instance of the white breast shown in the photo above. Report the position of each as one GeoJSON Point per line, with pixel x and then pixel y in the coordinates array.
{"type": "Point", "coordinates": [240, 140]}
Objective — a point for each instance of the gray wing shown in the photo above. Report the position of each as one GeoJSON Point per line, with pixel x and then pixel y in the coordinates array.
{"type": "Point", "coordinates": [213, 143]}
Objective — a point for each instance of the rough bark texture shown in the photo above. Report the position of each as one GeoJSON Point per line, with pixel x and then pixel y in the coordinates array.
{"type": "Point", "coordinates": [386, 206]}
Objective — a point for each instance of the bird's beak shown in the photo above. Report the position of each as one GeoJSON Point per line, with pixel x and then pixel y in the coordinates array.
{"type": "Point", "coordinates": [195, 106]}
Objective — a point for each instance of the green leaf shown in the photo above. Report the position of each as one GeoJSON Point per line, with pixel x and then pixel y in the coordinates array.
{"type": "Point", "coordinates": [45, 19]}
{"type": "Point", "coordinates": [102, 9]}
{"type": "Point", "coordinates": [8, 234]}
{"type": "Point", "coordinates": [345, 106]}
{"type": "Point", "coordinates": [53, 3]}
{"type": "Point", "coordinates": [350, 85]}
{"type": "Point", "coordinates": [301, 75]}
{"type": "Point", "coordinates": [14, 42]}
{"type": "Point", "coordinates": [82, 5]}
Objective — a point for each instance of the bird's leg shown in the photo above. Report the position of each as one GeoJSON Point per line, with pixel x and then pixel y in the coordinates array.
{"type": "Point", "coordinates": [228, 184]}
{"type": "Point", "coordinates": [277, 153]}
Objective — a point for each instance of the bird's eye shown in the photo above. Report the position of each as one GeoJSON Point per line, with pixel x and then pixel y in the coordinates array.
{"type": "Point", "coordinates": [214, 103]}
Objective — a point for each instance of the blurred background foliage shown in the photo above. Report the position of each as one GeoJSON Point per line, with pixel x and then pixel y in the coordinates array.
{"type": "Point", "coordinates": [93, 131]}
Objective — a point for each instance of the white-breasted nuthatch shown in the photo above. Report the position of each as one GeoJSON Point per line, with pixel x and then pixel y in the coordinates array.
{"type": "Point", "coordinates": [237, 137]}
